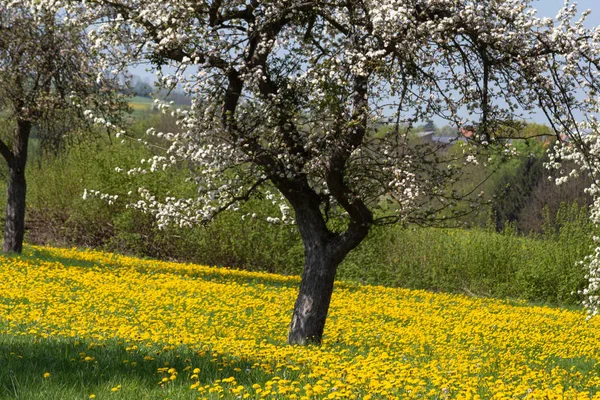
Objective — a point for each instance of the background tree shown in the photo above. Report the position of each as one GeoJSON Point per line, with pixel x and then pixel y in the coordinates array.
{"type": "Point", "coordinates": [515, 186]}
{"type": "Point", "coordinates": [292, 95]}
{"type": "Point", "coordinates": [48, 78]}
{"type": "Point", "coordinates": [140, 87]}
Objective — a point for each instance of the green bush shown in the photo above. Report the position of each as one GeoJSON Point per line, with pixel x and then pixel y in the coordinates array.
{"type": "Point", "coordinates": [57, 213]}
{"type": "Point", "coordinates": [543, 268]}
{"type": "Point", "coordinates": [540, 268]}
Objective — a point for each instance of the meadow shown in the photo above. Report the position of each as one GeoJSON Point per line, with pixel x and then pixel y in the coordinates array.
{"type": "Point", "coordinates": [540, 266]}
{"type": "Point", "coordinates": [89, 324]}
{"type": "Point", "coordinates": [139, 103]}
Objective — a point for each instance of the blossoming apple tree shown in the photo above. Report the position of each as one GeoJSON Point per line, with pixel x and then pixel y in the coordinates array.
{"type": "Point", "coordinates": [313, 97]}
{"type": "Point", "coordinates": [48, 78]}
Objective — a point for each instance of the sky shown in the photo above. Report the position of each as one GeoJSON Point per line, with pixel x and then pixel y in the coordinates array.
{"type": "Point", "coordinates": [549, 8]}
{"type": "Point", "coordinates": [545, 8]}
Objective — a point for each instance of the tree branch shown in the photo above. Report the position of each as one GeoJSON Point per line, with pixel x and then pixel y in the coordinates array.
{"type": "Point", "coordinates": [5, 151]}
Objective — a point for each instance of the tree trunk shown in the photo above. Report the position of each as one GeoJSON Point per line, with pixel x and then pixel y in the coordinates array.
{"type": "Point", "coordinates": [14, 228]}
{"type": "Point", "coordinates": [312, 305]}
{"type": "Point", "coordinates": [323, 252]}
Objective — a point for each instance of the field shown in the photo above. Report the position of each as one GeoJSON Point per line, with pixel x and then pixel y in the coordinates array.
{"type": "Point", "coordinates": [87, 324]}
{"type": "Point", "coordinates": [139, 103]}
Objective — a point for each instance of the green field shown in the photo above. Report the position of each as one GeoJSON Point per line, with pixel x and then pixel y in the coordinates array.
{"type": "Point", "coordinates": [88, 324]}
{"type": "Point", "coordinates": [138, 103]}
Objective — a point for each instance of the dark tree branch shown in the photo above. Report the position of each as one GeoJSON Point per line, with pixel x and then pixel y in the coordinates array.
{"type": "Point", "coordinates": [244, 197]}
{"type": "Point", "coordinates": [6, 153]}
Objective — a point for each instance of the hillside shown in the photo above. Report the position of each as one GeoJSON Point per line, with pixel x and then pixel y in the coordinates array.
{"type": "Point", "coordinates": [79, 324]}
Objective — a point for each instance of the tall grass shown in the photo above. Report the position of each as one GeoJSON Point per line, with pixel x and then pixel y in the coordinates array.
{"type": "Point", "coordinates": [541, 268]}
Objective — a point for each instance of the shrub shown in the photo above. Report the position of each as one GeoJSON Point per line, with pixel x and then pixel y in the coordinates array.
{"type": "Point", "coordinates": [542, 267]}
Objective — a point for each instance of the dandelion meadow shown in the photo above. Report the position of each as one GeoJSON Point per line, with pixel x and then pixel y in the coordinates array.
{"type": "Point", "coordinates": [87, 324]}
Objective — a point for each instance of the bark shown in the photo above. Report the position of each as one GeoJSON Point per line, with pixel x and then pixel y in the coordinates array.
{"type": "Point", "coordinates": [312, 304]}
{"type": "Point", "coordinates": [323, 252]}
{"type": "Point", "coordinates": [14, 228]}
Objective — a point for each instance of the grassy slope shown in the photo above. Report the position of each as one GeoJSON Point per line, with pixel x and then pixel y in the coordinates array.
{"type": "Point", "coordinates": [543, 269]}
{"type": "Point", "coordinates": [138, 103]}
{"type": "Point", "coordinates": [114, 326]}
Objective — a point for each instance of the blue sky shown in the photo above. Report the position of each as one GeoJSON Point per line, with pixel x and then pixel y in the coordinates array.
{"type": "Point", "coordinates": [549, 8]}
{"type": "Point", "coordinates": [546, 8]}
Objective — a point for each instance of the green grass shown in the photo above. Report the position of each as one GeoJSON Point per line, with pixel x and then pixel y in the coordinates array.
{"type": "Point", "coordinates": [24, 361]}
{"type": "Point", "coordinates": [543, 269]}
{"type": "Point", "coordinates": [130, 367]}
{"type": "Point", "coordinates": [139, 103]}
{"type": "Point", "coordinates": [370, 329]}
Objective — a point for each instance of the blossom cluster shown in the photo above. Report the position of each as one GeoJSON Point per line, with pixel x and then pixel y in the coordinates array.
{"type": "Point", "coordinates": [279, 95]}
{"type": "Point", "coordinates": [48, 74]}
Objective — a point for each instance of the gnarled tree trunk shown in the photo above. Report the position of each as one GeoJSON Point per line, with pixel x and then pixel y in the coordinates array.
{"type": "Point", "coordinates": [316, 288]}
{"type": "Point", "coordinates": [14, 228]}
{"type": "Point", "coordinates": [323, 252]}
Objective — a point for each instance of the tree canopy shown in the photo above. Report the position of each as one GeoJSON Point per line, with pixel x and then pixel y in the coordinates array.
{"type": "Point", "coordinates": [49, 80]}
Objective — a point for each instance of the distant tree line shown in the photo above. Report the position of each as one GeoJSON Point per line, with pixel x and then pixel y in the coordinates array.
{"type": "Point", "coordinates": [143, 88]}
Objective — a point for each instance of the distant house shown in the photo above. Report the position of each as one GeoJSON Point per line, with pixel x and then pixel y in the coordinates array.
{"type": "Point", "coordinates": [444, 139]}
{"type": "Point", "coordinates": [467, 132]}
{"type": "Point", "coordinates": [425, 135]}
{"type": "Point", "coordinates": [463, 134]}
